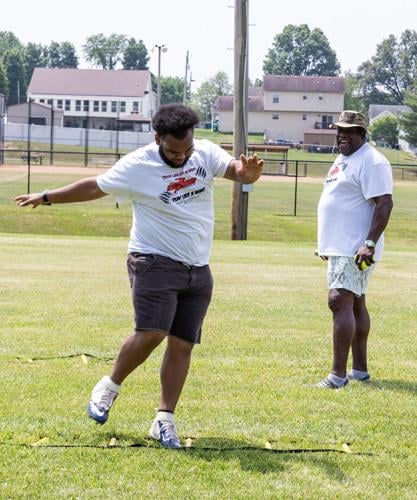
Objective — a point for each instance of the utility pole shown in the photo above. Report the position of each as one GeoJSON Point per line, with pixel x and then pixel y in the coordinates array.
{"type": "Point", "coordinates": [158, 92]}
{"type": "Point", "coordinates": [240, 118]}
{"type": "Point", "coordinates": [187, 67]}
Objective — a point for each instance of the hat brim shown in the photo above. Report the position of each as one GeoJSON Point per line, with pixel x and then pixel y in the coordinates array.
{"type": "Point", "coordinates": [346, 125]}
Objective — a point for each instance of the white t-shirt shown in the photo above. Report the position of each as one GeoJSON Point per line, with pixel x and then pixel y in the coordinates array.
{"type": "Point", "coordinates": [172, 207]}
{"type": "Point", "coordinates": [345, 209]}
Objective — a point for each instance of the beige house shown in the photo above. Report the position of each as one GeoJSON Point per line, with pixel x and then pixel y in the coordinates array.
{"type": "Point", "coordinates": [96, 98]}
{"type": "Point", "coordinates": [286, 108]}
{"type": "Point", "coordinates": [40, 114]}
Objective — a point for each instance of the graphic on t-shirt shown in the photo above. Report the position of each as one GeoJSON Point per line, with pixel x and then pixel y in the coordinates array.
{"type": "Point", "coordinates": [180, 183]}
{"type": "Point", "coordinates": [335, 170]}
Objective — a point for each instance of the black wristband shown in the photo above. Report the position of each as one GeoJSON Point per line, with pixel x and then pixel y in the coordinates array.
{"type": "Point", "coordinates": [45, 198]}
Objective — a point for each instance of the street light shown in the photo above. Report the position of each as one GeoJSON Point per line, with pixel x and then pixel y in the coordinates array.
{"type": "Point", "coordinates": [158, 94]}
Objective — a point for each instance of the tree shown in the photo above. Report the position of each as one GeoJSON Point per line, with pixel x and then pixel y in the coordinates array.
{"type": "Point", "coordinates": [35, 57]}
{"type": "Point", "coordinates": [172, 89]}
{"type": "Point", "coordinates": [408, 121]}
{"type": "Point", "coordinates": [385, 129]}
{"type": "Point", "coordinates": [8, 41]}
{"type": "Point", "coordinates": [387, 75]}
{"type": "Point", "coordinates": [103, 51]}
{"type": "Point", "coordinates": [299, 51]}
{"type": "Point", "coordinates": [353, 94]}
{"type": "Point", "coordinates": [4, 84]}
{"type": "Point", "coordinates": [16, 74]}
{"type": "Point", "coordinates": [135, 55]}
{"type": "Point", "coordinates": [208, 92]}
{"type": "Point", "coordinates": [68, 55]}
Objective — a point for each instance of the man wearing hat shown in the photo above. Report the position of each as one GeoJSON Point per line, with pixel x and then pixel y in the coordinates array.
{"type": "Point", "coordinates": [353, 212]}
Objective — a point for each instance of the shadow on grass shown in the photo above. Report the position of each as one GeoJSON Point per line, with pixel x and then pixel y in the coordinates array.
{"type": "Point", "coordinates": [251, 457]}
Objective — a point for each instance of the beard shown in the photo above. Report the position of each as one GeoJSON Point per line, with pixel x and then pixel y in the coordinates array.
{"type": "Point", "coordinates": [168, 161]}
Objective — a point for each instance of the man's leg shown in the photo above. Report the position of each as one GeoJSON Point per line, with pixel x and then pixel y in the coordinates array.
{"type": "Point", "coordinates": [174, 370]}
{"type": "Point", "coordinates": [360, 338]}
{"type": "Point", "coordinates": [134, 351]}
{"type": "Point", "coordinates": [341, 305]}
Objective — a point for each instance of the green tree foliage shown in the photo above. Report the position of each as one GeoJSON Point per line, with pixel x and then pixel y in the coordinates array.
{"type": "Point", "coordinates": [385, 129]}
{"type": "Point", "coordinates": [105, 52]}
{"type": "Point", "coordinates": [408, 121]}
{"type": "Point", "coordinates": [353, 94]}
{"type": "Point", "coordinates": [172, 89]}
{"type": "Point", "coordinates": [4, 83]}
{"type": "Point", "coordinates": [387, 75]}
{"type": "Point", "coordinates": [16, 74]}
{"type": "Point", "coordinates": [61, 55]}
{"type": "Point", "coordinates": [299, 51]}
{"type": "Point", "coordinates": [135, 55]}
{"type": "Point", "coordinates": [8, 41]}
{"type": "Point", "coordinates": [207, 93]}
{"type": "Point", "coordinates": [35, 56]}
{"type": "Point", "coordinates": [13, 80]}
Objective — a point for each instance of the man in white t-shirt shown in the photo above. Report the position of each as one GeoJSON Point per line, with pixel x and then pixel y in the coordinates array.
{"type": "Point", "coordinates": [170, 186]}
{"type": "Point", "coordinates": [353, 212]}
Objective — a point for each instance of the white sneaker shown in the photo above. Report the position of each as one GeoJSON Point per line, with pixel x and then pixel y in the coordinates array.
{"type": "Point", "coordinates": [102, 398]}
{"type": "Point", "coordinates": [163, 430]}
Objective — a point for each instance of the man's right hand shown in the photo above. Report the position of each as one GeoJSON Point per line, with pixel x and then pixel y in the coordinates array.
{"type": "Point", "coordinates": [34, 199]}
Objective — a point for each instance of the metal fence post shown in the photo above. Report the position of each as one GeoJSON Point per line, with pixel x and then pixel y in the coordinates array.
{"type": "Point", "coordinates": [296, 188]}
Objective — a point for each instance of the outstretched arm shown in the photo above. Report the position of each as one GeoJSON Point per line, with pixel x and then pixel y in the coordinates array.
{"type": "Point", "coordinates": [247, 170]}
{"type": "Point", "coordinates": [82, 190]}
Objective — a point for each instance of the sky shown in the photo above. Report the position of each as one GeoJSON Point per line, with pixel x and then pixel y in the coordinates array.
{"type": "Point", "coordinates": [205, 28]}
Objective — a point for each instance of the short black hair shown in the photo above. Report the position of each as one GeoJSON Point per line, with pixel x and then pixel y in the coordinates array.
{"type": "Point", "coordinates": [175, 120]}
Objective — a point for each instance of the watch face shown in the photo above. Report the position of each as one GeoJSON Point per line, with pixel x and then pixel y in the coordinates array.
{"type": "Point", "coordinates": [370, 243]}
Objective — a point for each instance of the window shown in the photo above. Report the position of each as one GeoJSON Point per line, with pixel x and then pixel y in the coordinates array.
{"type": "Point", "coordinates": [326, 120]}
{"type": "Point", "coordinates": [114, 107]}
{"type": "Point", "coordinates": [123, 106]}
{"type": "Point", "coordinates": [50, 102]}
{"type": "Point", "coordinates": [320, 97]}
{"type": "Point", "coordinates": [275, 98]}
{"type": "Point", "coordinates": [41, 100]}
{"type": "Point", "coordinates": [77, 105]}
{"type": "Point", "coordinates": [304, 97]}
{"type": "Point", "coordinates": [86, 105]}
{"type": "Point", "coordinates": [135, 108]}
{"type": "Point", "coordinates": [103, 106]}
{"type": "Point", "coordinates": [275, 116]}
{"type": "Point", "coordinates": [96, 106]}
{"type": "Point", "coordinates": [59, 104]}
{"type": "Point", "coordinates": [67, 105]}
{"type": "Point", "coordinates": [304, 116]}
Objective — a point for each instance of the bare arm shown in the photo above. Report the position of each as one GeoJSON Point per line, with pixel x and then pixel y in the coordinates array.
{"type": "Point", "coordinates": [247, 170]}
{"type": "Point", "coordinates": [82, 190]}
{"type": "Point", "coordinates": [382, 212]}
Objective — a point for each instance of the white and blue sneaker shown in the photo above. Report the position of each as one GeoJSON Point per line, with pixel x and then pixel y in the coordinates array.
{"type": "Point", "coordinates": [163, 430]}
{"type": "Point", "coordinates": [102, 399]}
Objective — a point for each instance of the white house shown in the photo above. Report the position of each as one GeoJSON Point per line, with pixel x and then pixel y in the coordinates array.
{"type": "Point", "coordinates": [289, 108]}
{"type": "Point", "coordinates": [96, 98]}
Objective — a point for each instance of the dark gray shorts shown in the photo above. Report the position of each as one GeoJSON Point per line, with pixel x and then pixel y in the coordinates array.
{"type": "Point", "coordinates": [168, 295]}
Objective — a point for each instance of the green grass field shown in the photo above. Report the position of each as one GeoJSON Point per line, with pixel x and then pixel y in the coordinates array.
{"type": "Point", "coordinates": [258, 427]}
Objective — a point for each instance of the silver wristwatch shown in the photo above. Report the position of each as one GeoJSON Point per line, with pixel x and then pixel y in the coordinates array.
{"type": "Point", "coordinates": [370, 243]}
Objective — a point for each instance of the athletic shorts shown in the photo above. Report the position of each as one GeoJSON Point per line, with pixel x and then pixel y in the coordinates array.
{"type": "Point", "coordinates": [168, 295]}
{"type": "Point", "coordinates": [342, 272]}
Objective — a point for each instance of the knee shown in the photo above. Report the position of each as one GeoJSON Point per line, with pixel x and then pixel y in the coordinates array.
{"type": "Point", "coordinates": [337, 300]}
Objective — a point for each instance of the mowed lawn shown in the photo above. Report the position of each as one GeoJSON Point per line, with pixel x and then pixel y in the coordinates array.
{"type": "Point", "coordinates": [258, 427]}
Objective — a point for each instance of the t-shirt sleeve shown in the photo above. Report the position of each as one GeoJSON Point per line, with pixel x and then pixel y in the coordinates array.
{"type": "Point", "coordinates": [219, 159]}
{"type": "Point", "coordinates": [377, 180]}
{"type": "Point", "coordinates": [116, 181]}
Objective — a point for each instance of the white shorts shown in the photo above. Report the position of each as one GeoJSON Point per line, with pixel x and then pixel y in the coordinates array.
{"type": "Point", "coordinates": [342, 272]}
